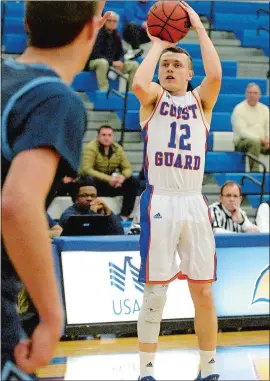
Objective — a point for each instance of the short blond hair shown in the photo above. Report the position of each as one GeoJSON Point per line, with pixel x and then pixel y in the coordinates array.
{"type": "Point", "coordinates": [252, 84]}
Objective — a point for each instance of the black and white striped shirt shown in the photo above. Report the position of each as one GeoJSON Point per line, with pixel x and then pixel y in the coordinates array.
{"type": "Point", "coordinates": [222, 219]}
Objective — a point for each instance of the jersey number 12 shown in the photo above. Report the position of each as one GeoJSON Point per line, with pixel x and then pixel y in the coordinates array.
{"type": "Point", "coordinates": [183, 145]}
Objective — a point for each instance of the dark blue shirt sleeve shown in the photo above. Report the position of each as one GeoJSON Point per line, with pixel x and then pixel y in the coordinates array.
{"type": "Point", "coordinates": [51, 221]}
{"type": "Point", "coordinates": [65, 216]}
{"type": "Point", "coordinates": [59, 123]}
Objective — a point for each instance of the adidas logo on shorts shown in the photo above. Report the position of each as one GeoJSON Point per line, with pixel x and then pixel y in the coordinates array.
{"type": "Point", "coordinates": [158, 215]}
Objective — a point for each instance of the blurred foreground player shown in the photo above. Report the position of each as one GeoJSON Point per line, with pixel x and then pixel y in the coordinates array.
{"type": "Point", "coordinates": [43, 123]}
{"type": "Point", "coordinates": [174, 215]}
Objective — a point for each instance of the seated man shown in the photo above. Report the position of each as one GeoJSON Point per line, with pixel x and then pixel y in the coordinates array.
{"type": "Point", "coordinates": [101, 159]}
{"type": "Point", "coordinates": [86, 202]}
{"type": "Point", "coordinates": [135, 26]}
{"type": "Point", "coordinates": [227, 216]}
{"type": "Point", "coordinates": [250, 121]}
{"type": "Point", "coordinates": [108, 51]}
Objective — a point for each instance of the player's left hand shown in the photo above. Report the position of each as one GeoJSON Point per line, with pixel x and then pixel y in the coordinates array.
{"type": "Point", "coordinates": [193, 16]}
{"type": "Point", "coordinates": [163, 43]}
{"type": "Point", "coordinates": [101, 20]}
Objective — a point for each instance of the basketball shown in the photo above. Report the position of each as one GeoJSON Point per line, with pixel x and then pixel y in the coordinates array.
{"type": "Point", "coordinates": [168, 21]}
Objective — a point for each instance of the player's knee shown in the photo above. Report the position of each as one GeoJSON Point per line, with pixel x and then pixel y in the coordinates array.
{"type": "Point", "coordinates": [204, 297]}
{"type": "Point", "coordinates": [154, 302]}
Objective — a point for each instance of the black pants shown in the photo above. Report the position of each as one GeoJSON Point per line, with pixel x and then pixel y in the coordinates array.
{"type": "Point", "coordinates": [135, 35]}
{"type": "Point", "coordinates": [128, 190]}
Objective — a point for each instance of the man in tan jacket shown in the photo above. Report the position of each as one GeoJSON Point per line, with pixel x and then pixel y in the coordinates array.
{"type": "Point", "coordinates": [106, 162]}
{"type": "Point", "coordinates": [250, 121]}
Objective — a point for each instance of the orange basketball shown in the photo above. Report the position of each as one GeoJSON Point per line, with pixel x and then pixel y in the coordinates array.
{"type": "Point", "coordinates": [168, 21]}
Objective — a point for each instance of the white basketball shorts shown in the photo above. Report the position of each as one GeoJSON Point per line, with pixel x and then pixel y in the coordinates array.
{"type": "Point", "coordinates": [176, 239]}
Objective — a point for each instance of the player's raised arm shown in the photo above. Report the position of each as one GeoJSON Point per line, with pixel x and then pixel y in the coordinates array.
{"type": "Point", "coordinates": [210, 86]}
{"type": "Point", "coordinates": [145, 90]}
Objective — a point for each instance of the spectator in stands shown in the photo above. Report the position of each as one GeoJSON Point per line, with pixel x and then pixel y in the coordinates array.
{"type": "Point", "coordinates": [227, 215]}
{"type": "Point", "coordinates": [135, 29]}
{"type": "Point", "coordinates": [55, 229]}
{"type": "Point", "coordinates": [108, 51]}
{"type": "Point", "coordinates": [262, 219]}
{"type": "Point", "coordinates": [86, 202]}
{"type": "Point", "coordinates": [250, 121]}
{"type": "Point", "coordinates": [106, 161]}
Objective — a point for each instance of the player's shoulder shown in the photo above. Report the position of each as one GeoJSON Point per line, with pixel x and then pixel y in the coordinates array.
{"type": "Point", "coordinates": [61, 90]}
{"type": "Point", "coordinates": [36, 83]}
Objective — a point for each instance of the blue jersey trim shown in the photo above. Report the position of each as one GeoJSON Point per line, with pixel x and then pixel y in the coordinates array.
{"type": "Point", "coordinates": [6, 149]}
{"type": "Point", "coordinates": [21, 66]}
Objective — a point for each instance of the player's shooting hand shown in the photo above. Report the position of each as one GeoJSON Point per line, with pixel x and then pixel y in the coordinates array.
{"type": "Point", "coordinates": [193, 16]}
{"type": "Point", "coordinates": [163, 44]}
{"type": "Point", "coordinates": [36, 352]}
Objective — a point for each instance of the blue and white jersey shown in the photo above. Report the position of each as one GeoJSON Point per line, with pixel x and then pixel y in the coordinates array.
{"type": "Point", "coordinates": [175, 142]}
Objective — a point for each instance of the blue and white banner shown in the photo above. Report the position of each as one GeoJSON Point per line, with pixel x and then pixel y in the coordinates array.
{"type": "Point", "coordinates": [101, 285]}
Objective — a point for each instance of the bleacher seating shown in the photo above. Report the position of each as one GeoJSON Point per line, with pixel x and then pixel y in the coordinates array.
{"type": "Point", "coordinates": [15, 43]}
{"type": "Point", "coordinates": [87, 82]}
{"type": "Point", "coordinates": [239, 8]}
{"type": "Point", "coordinates": [255, 200]}
{"type": "Point", "coordinates": [250, 38]}
{"type": "Point", "coordinates": [237, 23]}
{"type": "Point", "coordinates": [14, 25]}
{"type": "Point", "coordinates": [14, 8]}
{"type": "Point", "coordinates": [232, 85]}
{"type": "Point", "coordinates": [226, 102]}
{"type": "Point", "coordinates": [222, 161]}
{"type": "Point", "coordinates": [249, 187]}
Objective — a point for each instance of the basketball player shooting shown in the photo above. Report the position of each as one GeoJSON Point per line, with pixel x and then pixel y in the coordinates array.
{"type": "Point", "coordinates": [174, 214]}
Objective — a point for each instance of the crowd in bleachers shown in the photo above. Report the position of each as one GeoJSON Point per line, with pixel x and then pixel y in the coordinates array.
{"type": "Point", "coordinates": [238, 125]}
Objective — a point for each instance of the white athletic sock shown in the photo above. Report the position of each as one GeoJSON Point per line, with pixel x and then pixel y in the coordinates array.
{"type": "Point", "coordinates": [208, 363]}
{"type": "Point", "coordinates": [147, 360]}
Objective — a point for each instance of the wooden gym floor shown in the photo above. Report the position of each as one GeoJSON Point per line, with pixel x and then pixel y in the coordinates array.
{"type": "Point", "coordinates": [240, 356]}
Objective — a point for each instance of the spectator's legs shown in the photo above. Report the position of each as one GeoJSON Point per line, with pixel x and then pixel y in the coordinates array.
{"type": "Point", "coordinates": [265, 151]}
{"type": "Point", "coordinates": [131, 34]}
{"type": "Point", "coordinates": [130, 67]}
{"type": "Point", "coordinates": [143, 36]}
{"type": "Point", "coordinates": [129, 191]}
{"type": "Point", "coordinates": [106, 190]}
{"type": "Point", "coordinates": [252, 147]}
{"type": "Point", "coordinates": [101, 67]}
